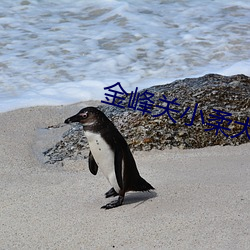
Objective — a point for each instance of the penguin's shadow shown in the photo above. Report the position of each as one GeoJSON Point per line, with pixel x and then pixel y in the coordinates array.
{"type": "Point", "coordinates": [137, 198]}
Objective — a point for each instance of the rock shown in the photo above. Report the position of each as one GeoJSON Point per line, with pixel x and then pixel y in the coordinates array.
{"type": "Point", "coordinates": [145, 132]}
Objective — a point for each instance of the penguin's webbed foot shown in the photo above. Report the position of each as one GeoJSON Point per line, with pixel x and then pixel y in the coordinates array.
{"type": "Point", "coordinates": [111, 193]}
{"type": "Point", "coordinates": [113, 204]}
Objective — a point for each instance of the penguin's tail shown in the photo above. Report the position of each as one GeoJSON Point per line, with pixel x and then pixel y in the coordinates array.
{"type": "Point", "coordinates": [141, 185]}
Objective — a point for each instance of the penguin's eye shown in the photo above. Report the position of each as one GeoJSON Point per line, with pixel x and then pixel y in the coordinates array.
{"type": "Point", "coordinates": [84, 115]}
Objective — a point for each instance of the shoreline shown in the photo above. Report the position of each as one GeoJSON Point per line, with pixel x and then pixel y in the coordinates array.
{"type": "Point", "coordinates": [201, 198]}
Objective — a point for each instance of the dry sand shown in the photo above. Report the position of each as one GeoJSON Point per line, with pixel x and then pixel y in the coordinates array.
{"type": "Point", "coordinates": [201, 201]}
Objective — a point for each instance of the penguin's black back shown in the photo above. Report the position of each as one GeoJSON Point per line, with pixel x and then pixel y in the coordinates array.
{"type": "Point", "coordinates": [132, 180]}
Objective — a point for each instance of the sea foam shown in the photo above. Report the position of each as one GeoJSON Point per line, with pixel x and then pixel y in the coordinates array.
{"type": "Point", "coordinates": [63, 52]}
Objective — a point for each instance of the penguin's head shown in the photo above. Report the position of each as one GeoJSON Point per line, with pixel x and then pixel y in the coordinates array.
{"type": "Point", "coordinates": [88, 117]}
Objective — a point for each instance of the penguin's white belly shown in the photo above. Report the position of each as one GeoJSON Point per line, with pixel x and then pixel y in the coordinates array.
{"type": "Point", "coordinates": [104, 157]}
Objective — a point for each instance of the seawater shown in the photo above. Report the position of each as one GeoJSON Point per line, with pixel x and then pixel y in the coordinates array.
{"type": "Point", "coordinates": [61, 52]}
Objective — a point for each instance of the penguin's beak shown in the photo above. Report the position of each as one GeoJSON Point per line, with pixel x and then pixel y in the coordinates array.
{"type": "Point", "coordinates": [74, 118]}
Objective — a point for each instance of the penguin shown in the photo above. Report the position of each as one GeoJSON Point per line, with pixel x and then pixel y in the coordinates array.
{"type": "Point", "coordinates": [110, 152]}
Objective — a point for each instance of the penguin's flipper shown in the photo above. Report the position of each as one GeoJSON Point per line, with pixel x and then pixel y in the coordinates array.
{"type": "Point", "coordinates": [111, 193]}
{"type": "Point", "coordinates": [115, 203]}
{"type": "Point", "coordinates": [118, 166]}
{"type": "Point", "coordinates": [93, 167]}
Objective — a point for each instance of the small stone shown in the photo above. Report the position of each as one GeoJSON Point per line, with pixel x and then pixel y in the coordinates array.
{"type": "Point", "coordinates": [181, 133]}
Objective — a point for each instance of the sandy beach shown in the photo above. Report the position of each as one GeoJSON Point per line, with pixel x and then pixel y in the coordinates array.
{"type": "Point", "coordinates": [201, 198]}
